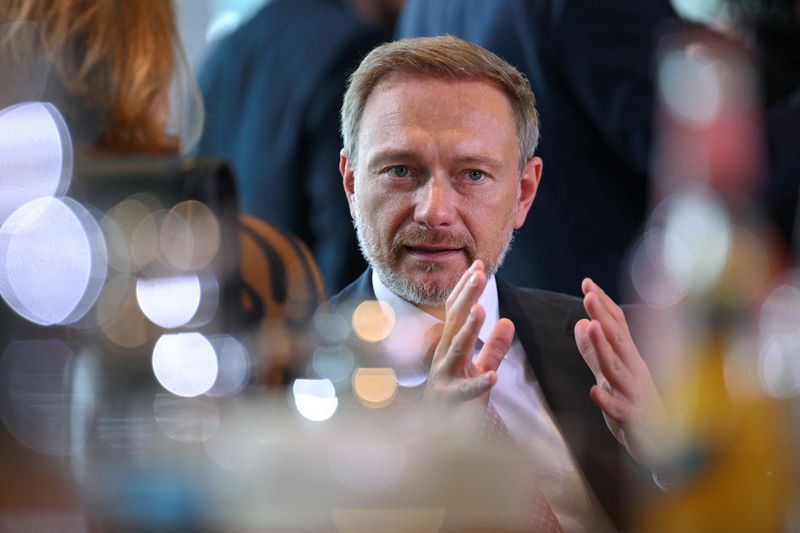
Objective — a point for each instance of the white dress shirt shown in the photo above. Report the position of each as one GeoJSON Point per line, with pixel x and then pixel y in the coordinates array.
{"type": "Point", "coordinates": [516, 397]}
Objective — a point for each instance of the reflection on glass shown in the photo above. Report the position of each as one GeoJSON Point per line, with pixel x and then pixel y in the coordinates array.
{"type": "Point", "coordinates": [54, 261]}
{"type": "Point", "coordinates": [185, 363]}
{"type": "Point", "coordinates": [315, 399]}
{"type": "Point", "coordinates": [35, 155]}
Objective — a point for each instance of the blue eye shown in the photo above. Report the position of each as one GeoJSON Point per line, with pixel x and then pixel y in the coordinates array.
{"type": "Point", "coordinates": [475, 175]}
{"type": "Point", "coordinates": [399, 171]}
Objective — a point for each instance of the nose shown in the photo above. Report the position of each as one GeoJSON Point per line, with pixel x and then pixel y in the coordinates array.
{"type": "Point", "coordinates": [435, 203]}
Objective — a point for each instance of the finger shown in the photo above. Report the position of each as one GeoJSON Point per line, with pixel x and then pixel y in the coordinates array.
{"type": "Point", "coordinates": [458, 312]}
{"type": "Point", "coordinates": [611, 366]}
{"type": "Point", "coordinates": [614, 326]}
{"type": "Point", "coordinates": [496, 346]}
{"type": "Point", "coordinates": [464, 389]}
{"type": "Point", "coordinates": [614, 407]}
{"type": "Point", "coordinates": [585, 346]}
{"type": "Point", "coordinates": [610, 306]}
{"type": "Point", "coordinates": [463, 345]}
{"type": "Point", "coordinates": [476, 265]}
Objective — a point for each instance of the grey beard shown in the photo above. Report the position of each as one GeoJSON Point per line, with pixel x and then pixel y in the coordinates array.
{"type": "Point", "coordinates": [417, 294]}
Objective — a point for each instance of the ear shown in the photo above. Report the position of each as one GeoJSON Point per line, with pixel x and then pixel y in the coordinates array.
{"type": "Point", "coordinates": [528, 185]}
{"type": "Point", "coordinates": [346, 169]}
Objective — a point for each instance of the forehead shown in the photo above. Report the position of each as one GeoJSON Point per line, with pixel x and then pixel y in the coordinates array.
{"type": "Point", "coordinates": [402, 103]}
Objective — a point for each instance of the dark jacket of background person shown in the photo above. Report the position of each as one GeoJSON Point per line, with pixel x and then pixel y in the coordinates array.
{"type": "Point", "coordinates": [591, 67]}
{"type": "Point", "coordinates": [272, 92]}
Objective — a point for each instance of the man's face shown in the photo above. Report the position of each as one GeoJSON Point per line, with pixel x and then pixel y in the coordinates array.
{"type": "Point", "coordinates": [436, 183]}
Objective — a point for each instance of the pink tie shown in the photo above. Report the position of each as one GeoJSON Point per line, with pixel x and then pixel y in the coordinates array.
{"type": "Point", "coordinates": [542, 517]}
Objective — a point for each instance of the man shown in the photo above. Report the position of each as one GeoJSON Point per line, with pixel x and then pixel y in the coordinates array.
{"type": "Point", "coordinates": [439, 169]}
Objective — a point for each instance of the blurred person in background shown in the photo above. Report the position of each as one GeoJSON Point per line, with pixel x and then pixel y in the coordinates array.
{"type": "Point", "coordinates": [272, 91]}
{"type": "Point", "coordinates": [117, 73]}
{"type": "Point", "coordinates": [438, 167]}
{"type": "Point", "coordinates": [592, 66]}
{"type": "Point", "coordinates": [770, 29]}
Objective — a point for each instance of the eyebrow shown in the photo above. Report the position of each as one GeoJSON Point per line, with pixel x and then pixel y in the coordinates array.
{"type": "Point", "coordinates": [390, 156]}
{"type": "Point", "coordinates": [479, 161]}
{"type": "Point", "coordinates": [386, 157]}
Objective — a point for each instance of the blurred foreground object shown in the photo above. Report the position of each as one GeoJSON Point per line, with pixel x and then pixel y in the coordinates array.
{"type": "Point", "coordinates": [704, 269]}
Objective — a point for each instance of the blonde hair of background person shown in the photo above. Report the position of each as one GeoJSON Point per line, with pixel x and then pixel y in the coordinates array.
{"type": "Point", "coordinates": [120, 71]}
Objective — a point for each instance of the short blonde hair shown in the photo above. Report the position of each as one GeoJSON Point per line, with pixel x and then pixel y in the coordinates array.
{"type": "Point", "coordinates": [445, 58]}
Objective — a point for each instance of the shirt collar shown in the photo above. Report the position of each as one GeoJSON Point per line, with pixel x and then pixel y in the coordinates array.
{"type": "Point", "coordinates": [488, 301]}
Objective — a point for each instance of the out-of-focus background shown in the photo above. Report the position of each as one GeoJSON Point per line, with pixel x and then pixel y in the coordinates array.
{"type": "Point", "coordinates": [166, 358]}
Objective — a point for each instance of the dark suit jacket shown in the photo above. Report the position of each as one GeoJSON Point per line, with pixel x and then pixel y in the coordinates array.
{"type": "Point", "coordinates": [591, 66]}
{"type": "Point", "coordinates": [272, 92]}
{"type": "Point", "coordinates": [544, 324]}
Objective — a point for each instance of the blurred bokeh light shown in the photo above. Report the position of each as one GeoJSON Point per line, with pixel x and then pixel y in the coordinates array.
{"type": "Point", "coordinates": [35, 155]}
{"type": "Point", "coordinates": [169, 302]}
{"type": "Point", "coordinates": [185, 363]}
{"type": "Point", "coordinates": [53, 261]}
{"type": "Point", "coordinates": [315, 399]}
{"type": "Point", "coordinates": [375, 387]}
{"type": "Point", "coordinates": [373, 320]}
{"type": "Point", "coordinates": [235, 366]}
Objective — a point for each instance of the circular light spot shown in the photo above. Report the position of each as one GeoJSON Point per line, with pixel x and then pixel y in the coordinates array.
{"type": "Point", "coordinates": [375, 387]}
{"type": "Point", "coordinates": [35, 155]}
{"type": "Point", "coordinates": [331, 327]}
{"type": "Point", "coordinates": [653, 282]}
{"type": "Point", "coordinates": [119, 315]}
{"type": "Point", "coordinates": [144, 240]}
{"type": "Point", "coordinates": [36, 400]}
{"type": "Point", "coordinates": [190, 236]}
{"type": "Point", "coordinates": [186, 419]}
{"type": "Point", "coordinates": [53, 261]}
{"type": "Point", "coordinates": [315, 399]}
{"type": "Point", "coordinates": [780, 313]}
{"type": "Point", "coordinates": [373, 320]}
{"type": "Point", "coordinates": [119, 225]}
{"type": "Point", "coordinates": [367, 467]}
{"type": "Point", "coordinates": [691, 87]}
{"type": "Point", "coordinates": [700, 226]}
{"type": "Point", "coordinates": [234, 366]}
{"type": "Point", "coordinates": [335, 363]}
{"type": "Point", "coordinates": [169, 302]}
{"type": "Point", "coordinates": [779, 366]}
{"type": "Point", "coordinates": [185, 363]}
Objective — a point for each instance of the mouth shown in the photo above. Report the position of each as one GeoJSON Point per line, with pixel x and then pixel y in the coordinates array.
{"type": "Point", "coordinates": [432, 252]}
